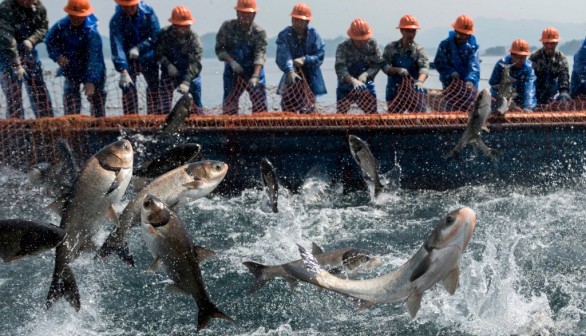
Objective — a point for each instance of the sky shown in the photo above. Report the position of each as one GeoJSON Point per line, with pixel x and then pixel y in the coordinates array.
{"type": "Point", "coordinates": [332, 17]}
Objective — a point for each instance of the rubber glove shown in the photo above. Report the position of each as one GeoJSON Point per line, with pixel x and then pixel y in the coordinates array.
{"type": "Point", "coordinates": [253, 81]}
{"type": "Point", "coordinates": [356, 84]}
{"type": "Point", "coordinates": [363, 77]}
{"type": "Point", "coordinates": [455, 75]}
{"type": "Point", "coordinates": [27, 45]}
{"type": "Point", "coordinates": [401, 72]}
{"type": "Point", "coordinates": [19, 72]}
{"type": "Point", "coordinates": [172, 70]}
{"type": "Point", "coordinates": [419, 87]}
{"type": "Point", "coordinates": [133, 53]}
{"type": "Point", "coordinates": [292, 77]}
{"type": "Point", "coordinates": [237, 68]}
{"type": "Point", "coordinates": [564, 96]}
{"type": "Point", "coordinates": [299, 61]}
{"type": "Point", "coordinates": [125, 81]}
{"type": "Point", "coordinates": [183, 88]}
{"type": "Point", "coordinates": [469, 85]}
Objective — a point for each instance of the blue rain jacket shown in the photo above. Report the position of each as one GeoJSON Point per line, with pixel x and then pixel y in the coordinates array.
{"type": "Point", "coordinates": [126, 32]}
{"type": "Point", "coordinates": [464, 59]}
{"type": "Point", "coordinates": [524, 85]}
{"type": "Point", "coordinates": [578, 82]}
{"type": "Point", "coordinates": [82, 47]}
{"type": "Point", "coordinates": [243, 53]}
{"type": "Point", "coordinates": [289, 49]}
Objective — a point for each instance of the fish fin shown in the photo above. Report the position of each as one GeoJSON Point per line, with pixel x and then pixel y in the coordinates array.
{"type": "Point", "coordinates": [117, 181]}
{"type": "Point", "coordinates": [151, 229]}
{"type": "Point", "coordinates": [57, 205]}
{"type": "Point", "coordinates": [112, 215]}
{"type": "Point", "coordinates": [452, 281]}
{"type": "Point", "coordinates": [309, 261]}
{"type": "Point", "coordinates": [203, 253]}
{"type": "Point", "coordinates": [120, 249]}
{"type": "Point", "coordinates": [206, 313]}
{"type": "Point", "coordinates": [364, 304]}
{"type": "Point", "coordinates": [485, 149]}
{"type": "Point", "coordinates": [196, 184]}
{"type": "Point", "coordinates": [275, 207]}
{"type": "Point", "coordinates": [258, 271]}
{"type": "Point", "coordinates": [421, 268]}
{"type": "Point", "coordinates": [155, 265]}
{"type": "Point", "coordinates": [63, 285]}
{"type": "Point", "coordinates": [414, 303]}
{"type": "Point", "coordinates": [173, 288]}
{"type": "Point", "coordinates": [315, 249]}
{"type": "Point", "coordinates": [485, 128]}
{"type": "Point", "coordinates": [293, 283]}
{"type": "Point", "coordinates": [335, 270]}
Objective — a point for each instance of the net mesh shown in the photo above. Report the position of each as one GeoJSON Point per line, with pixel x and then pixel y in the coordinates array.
{"type": "Point", "coordinates": [24, 142]}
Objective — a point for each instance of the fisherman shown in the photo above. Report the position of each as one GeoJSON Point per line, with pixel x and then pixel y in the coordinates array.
{"type": "Point", "coordinates": [23, 24]}
{"type": "Point", "coordinates": [358, 60]}
{"type": "Point", "coordinates": [551, 68]}
{"type": "Point", "coordinates": [242, 45]}
{"type": "Point", "coordinates": [521, 71]}
{"type": "Point", "coordinates": [76, 45]}
{"type": "Point", "coordinates": [404, 58]}
{"type": "Point", "coordinates": [133, 36]}
{"type": "Point", "coordinates": [578, 84]}
{"type": "Point", "coordinates": [179, 52]}
{"type": "Point", "coordinates": [457, 57]}
{"type": "Point", "coordinates": [300, 53]}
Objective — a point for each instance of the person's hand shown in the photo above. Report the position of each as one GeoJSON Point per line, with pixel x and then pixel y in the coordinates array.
{"type": "Point", "coordinates": [356, 84]}
{"type": "Point", "coordinates": [564, 96]}
{"type": "Point", "coordinates": [363, 77]}
{"type": "Point", "coordinates": [19, 72]}
{"type": "Point", "coordinates": [133, 53]}
{"type": "Point", "coordinates": [455, 75]}
{"type": "Point", "coordinates": [172, 70]}
{"type": "Point", "coordinates": [62, 61]}
{"type": "Point", "coordinates": [125, 80]}
{"type": "Point", "coordinates": [292, 78]}
{"type": "Point", "coordinates": [89, 89]}
{"type": "Point", "coordinates": [253, 81]}
{"type": "Point", "coordinates": [419, 87]}
{"type": "Point", "coordinates": [299, 61]}
{"type": "Point", "coordinates": [183, 88]}
{"type": "Point", "coordinates": [236, 67]}
{"type": "Point", "coordinates": [402, 72]}
{"type": "Point", "coordinates": [27, 45]}
{"type": "Point", "coordinates": [469, 85]}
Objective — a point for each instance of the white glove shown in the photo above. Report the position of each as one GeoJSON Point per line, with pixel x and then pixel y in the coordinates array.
{"type": "Point", "coordinates": [89, 89]}
{"type": "Point", "coordinates": [564, 96]}
{"type": "Point", "coordinates": [172, 70]}
{"type": "Point", "coordinates": [183, 88]}
{"type": "Point", "coordinates": [401, 72]}
{"type": "Point", "coordinates": [125, 81]}
{"type": "Point", "coordinates": [19, 72]}
{"type": "Point", "coordinates": [469, 85]}
{"type": "Point", "coordinates": [455, 75]}
{"type": "Point", "coordinates": [253, 82]}
{"type": "Point", "coordinates": [299, 61]}
{"type": "Point", "coordinates": [356, 84]}
{"type": "Point", "coordinates": [237, 68]}
{"type": "Point", "coordinates": [27, 45]}
{"type": "Point", "coordinates": [292, 77]}
{"type": "Point", "coordinates": [133, 53]}
{"type": "Point", "coordinates": [363, 77]}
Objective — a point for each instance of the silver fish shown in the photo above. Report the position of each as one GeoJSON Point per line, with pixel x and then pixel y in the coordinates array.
{"type": "Point", "coordinates": [20, 237]}
{"type": "Point", "coordinates": [60, 176]}
{"type": "Point", "coordinates": [368, 164]}
{"type": "Point", "coordinates": [170, 244]}
{"type": "Point", "coordinates": [336, 262]}
{"type": "Point", "coordinates": [438, 260]}
{"type": "Point", "coordinates": [506, 91]}
{"type": "Point", "coordinates": [476, 124]}
{"type": "Point", "coordinates": [176, 118]}
{"type": "Point", "coordinates": [101, 183]}
{"type": "Point", "coordinates": [190, 181]}
{"type": "Point", "coordinates": [269, 179]}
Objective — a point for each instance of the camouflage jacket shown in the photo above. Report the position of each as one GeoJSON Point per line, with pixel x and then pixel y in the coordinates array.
{"type": "Point", "coordinates": [18, 24]}
{"type": "Point", "coordinates": [553, 75]}
{"type": "Point", "coordinates": [230, 37]}
{"type": "Point", "coordinates": [353, 61]}
{"type": "Point", "coordinates": [413, 58]}
{"type": "Point", "coordinates": [184, 54]}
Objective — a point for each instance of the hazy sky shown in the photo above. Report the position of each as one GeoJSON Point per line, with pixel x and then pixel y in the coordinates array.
{"type": "Point", "coordinates": [332, 17]}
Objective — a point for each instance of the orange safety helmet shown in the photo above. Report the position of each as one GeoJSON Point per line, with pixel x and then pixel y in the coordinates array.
{"type": "Point", "coordinates": [520, 47]}
{"type": "Point", "coordinates": [359, 30]}
{"type": "Point", "coordinates": [464, 24]}
{"type": "Point", "coordinates": [246, 6]}
{"type": "Point", "coordinates": [550, 34]}
{"type": "Point", "coordinates": [127, 2]}
{"type": "Point", "coordinates": [78, 8]}
{"type": "Point", "coordinates": [408, 22]}
{"type": "Point", "coordinates": [301, 11]}
{"type": "Point", "coordinates": [181, 16]}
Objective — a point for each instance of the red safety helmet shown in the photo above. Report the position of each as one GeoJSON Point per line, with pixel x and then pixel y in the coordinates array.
{"type": "Point", "coordinates": [127, 2]}
{"type": "Point", "coordinates": [464, 24]}
{"type": "Point", "coordinates": [520, 47]}
{"type": "Point", "coordinates": [550, 34]}
{"type": "Point", "coordinates": [246, 6]}
{"type": "Point", "coordinates": [301, 11]}
{"type": "Point", "coordinates": [181, 16]}
{"type": "Point", "coordinates": [359, 30]}
{"type": "Point", "coordinates": [78, 8]}
{"type": "Point", "coordinates": [408, 22]}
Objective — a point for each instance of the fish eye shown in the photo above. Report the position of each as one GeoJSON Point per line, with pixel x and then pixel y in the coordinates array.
{"type": "Point", "coordinates": [218, 167]}
{"type": "Point", "coordinates": [450, 219]}
{"type": "Point", "coordinates": [148, 202]}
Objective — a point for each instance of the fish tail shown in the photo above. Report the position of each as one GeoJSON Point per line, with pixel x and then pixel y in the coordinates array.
{"type": "Point", "coordinates": [414, 303]}
{"type": "Point", "coordinates": [378, 189]}
{"type": "Point", "coordinates": [208, 312]}
{"type": "Point", "coordinates": [274, 207]}
{"type": "Point", "coordinates": [258, 270]}
{"type": "Point", "coordinates": [63, 285]}
{"type": "Point", "coordinates": [114, 245]}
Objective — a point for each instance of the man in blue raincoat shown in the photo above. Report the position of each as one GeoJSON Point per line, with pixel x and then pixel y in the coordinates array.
{"type": "Point", "coordinates": [75, 44]}
{"type": "Point", "coordinates": [300, 51]}
{"type": "Point", "coordinates": [242, 45]}
{"type": "Point", "coordinates": [179, 52]}
{"type": "Point", "coordinates": [523, 73]}
{"type": "Point", "coordinates": [578, 83]}
{"type": "Point", "coordinates": [404, 58]}
{"type": "Point", "coordinates": [133, 36]}
{"type": "Point", "coordinates": [358, 60]}
{"type": "Point", "coordinates": [457, 56]}
{"type": "Point", "coordinates": [23, 24]}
